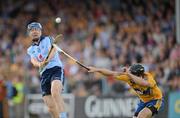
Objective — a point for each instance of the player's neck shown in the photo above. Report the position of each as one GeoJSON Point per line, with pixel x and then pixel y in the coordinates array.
{"type": "Point", "coordinates": [35, 41]}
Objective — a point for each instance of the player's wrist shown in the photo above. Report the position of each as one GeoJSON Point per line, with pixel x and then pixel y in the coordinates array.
{"type": "Point", "coordinates": [41, 64]}
{"type": "Point", "coordinates": [130, 75]}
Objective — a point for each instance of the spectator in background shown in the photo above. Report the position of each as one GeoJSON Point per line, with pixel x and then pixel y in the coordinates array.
{"type": "Point", "coordinates": [3, 101]}
{"type": "Point", "coordinates": [18, 99]}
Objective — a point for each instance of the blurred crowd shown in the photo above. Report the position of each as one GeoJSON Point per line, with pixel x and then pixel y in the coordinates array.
{"type": "Point", "coordinates": [102, 33]}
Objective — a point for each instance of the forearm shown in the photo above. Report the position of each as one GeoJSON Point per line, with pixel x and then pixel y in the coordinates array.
{"type": "Point", "coordinates": [107, 72]}
{"type": "Point", "coordinates": [138, 80]}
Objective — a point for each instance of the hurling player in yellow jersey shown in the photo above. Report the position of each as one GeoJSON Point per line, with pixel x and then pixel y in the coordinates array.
{"type": "Point", "coordinates": [151, 99]}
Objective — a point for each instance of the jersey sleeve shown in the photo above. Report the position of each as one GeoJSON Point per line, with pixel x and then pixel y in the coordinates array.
{"type": "Point", "coordinates": [151, 80]}
{"type": "Point", "coordinates": [49, 42]}
{"type": "Point", "coordinates": [30, 52]}
{"type": "Point", "coordinates": [123, 77]}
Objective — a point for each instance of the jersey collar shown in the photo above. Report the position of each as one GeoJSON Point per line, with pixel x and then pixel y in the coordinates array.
{"type": "Point", "coordinates": [37, 43]}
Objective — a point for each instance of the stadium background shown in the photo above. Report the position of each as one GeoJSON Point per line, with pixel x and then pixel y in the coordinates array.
{"type": "Point", "coordinates": [103, 33]}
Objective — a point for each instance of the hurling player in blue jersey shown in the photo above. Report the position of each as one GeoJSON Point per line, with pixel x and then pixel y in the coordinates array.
{"type": "Point", "coordinates": [52, 75]}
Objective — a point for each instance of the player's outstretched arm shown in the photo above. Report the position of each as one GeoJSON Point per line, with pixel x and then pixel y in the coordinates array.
{"type": "Point", "coordinates": [104, 71]}
{"type": "Point", "coordinates": [138, 80]}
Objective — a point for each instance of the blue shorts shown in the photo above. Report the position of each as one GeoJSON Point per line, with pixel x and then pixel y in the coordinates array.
{"type": "Point", "coordinates": [55, 73]}
{"type": "Point", "coordinates": [154, 105]}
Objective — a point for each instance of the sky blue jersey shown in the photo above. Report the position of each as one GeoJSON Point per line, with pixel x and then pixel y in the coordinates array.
{"type": "Point", "coordinates": [40, 52]}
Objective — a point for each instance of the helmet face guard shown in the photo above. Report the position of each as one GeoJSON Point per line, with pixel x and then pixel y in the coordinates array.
{"type": "Point", "coordinates": [137, 69]}
{"type": "Point", "coordinates": [34, 25]}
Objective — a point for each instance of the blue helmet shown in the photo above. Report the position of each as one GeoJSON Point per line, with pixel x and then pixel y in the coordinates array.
{"type": "Point", "coordinates": [35, 25]}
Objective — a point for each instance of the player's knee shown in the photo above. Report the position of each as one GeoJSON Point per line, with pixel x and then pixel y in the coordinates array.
{"type": "Point", "coordinates": [51, 108]}
{"type": "Point", "coordinates": [143, 115]}
{"type": "Point", "coordinates": [55, 94]}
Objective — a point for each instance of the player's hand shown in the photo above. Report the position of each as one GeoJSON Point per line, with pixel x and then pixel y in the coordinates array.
{"type": "Point", "coordinates": [42, 64]}
{"type": "Point", "coordinates": [128, 71]}
{"type": "Point", "coordinates": [124, 69]}
{"type": "Point", "coordinates": [92, 69]}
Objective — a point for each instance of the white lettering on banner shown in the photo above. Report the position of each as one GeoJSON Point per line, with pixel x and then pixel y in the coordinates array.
{"type": "Point", "coordinates": [90, 110]}
{"type": "Point", "coordinates": [37, 108]}
{"type": "Point", "coordinates": [110, 107]}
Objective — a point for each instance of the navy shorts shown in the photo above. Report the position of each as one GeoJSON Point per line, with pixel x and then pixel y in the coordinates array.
{"type": "Point", "coordinates": [55, 73]}
{"type": "Point", "coordinates": [154, 105]}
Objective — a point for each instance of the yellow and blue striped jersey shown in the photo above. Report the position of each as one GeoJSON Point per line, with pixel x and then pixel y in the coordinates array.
{"type": "Point", "coordinates": [144, 93]}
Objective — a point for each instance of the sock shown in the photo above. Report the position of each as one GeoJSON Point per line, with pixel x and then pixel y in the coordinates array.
{"type": "Point", "coordinates": [63, 115]}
